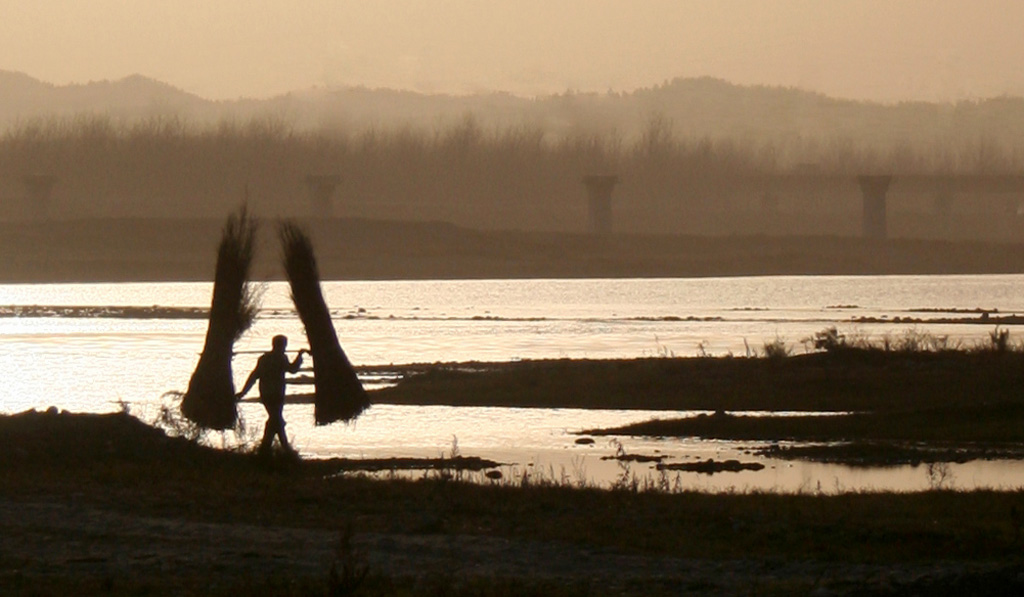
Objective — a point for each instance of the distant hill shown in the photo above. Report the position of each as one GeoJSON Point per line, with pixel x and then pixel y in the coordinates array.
{"type": "Point", "coordinates": [696, 107]}
{"type": "Point", "coordinates": [713, 107]}
{"type": "Point", "coordinates": [23, 98]}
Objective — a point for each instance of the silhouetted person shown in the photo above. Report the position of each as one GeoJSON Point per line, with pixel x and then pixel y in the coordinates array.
{"type": "Point", "coordinates": [270, 370]}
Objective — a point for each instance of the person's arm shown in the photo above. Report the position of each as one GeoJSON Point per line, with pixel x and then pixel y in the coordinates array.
{"type": "Point", "coordinates": [249, 382]}
{"type": "Point", "coordinates": [294, 366]}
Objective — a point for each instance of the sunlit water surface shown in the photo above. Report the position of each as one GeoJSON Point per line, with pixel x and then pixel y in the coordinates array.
{"type": "Point", "coordinates": [93, 364]}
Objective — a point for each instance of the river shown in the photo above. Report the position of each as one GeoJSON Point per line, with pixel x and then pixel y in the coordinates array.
{"type": "Point", "coordinates": [85, 359]}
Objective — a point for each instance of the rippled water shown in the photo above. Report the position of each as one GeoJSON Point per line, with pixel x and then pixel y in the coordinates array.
{"type": "Point", "coordinates": [93, 363]}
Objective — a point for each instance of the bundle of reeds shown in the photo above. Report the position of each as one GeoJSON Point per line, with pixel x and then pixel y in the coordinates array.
{"type": "Point", "coordinates": [339, 395]}
{"type": "Point", "coordinates": [210, 399]}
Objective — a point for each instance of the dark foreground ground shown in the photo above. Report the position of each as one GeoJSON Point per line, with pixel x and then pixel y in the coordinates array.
{"type": "Point", "coordinates": [104, 504]}
{"type": "Point", "coordinates": [168, 249]}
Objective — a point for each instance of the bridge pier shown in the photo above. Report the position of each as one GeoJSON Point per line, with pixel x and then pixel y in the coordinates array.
{"type": "Point", "coordinates": [873, 190]}
{"type": "Point", "coordinates": [320, 189]}
{"type": "Point", "coordinates": [599, 195]}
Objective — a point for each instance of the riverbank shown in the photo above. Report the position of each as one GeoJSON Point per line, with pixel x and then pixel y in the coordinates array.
{"type": "Point", "coordinates": [878, 407]}
{"type": "Point", "coordinates": [104, 504]}
{"type": "Point", "coordinates": [107, 504]}
{"type": "Point", "coordinates": [131, 250]}
{"type": "Point", "coordinates": [837, 381]}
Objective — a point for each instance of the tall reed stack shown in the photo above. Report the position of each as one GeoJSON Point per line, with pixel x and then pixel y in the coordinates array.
{"type": "Point", "coordinates": [339, 395]}
{"type": "Point", "coordinates": [210, 399]}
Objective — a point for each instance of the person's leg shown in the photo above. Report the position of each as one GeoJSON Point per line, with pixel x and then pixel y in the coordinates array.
{"type": "Point", "coordinates": [268, 437]}
{"type": "Point", "coordinates": [269, 430]}
{"type": "Point", "coordinates": [280, 433]}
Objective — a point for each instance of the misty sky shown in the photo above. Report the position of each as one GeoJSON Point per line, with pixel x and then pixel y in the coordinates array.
{"type": "Point", "coordinates": [223, 49]}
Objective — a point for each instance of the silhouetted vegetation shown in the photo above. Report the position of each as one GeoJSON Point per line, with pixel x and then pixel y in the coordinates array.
{"type": "Point", "coordinates": [915, 398]}
{"type": "Point", "coordinates": [877, 380]}
{"type": "Point", "coordinates": [523, 176]}
{"type": "Point", "coordinates": [339, 394]}
{"type": "Point", "coordinates": [210, 398]}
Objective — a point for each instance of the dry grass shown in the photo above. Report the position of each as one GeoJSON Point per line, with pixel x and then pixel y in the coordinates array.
{"type": "Point", "coordinates": [114, 461]}
{"type": "Point", "coordinates": [339, 395]}
{"type": "Point", "coordinates": [210, 399]}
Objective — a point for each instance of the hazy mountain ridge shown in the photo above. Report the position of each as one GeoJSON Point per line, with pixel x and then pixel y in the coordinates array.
{"type": "Point", "coordinates": [694, 156]}
{"type": "Point", "coordinates": [23, 98]}
{"type": "Point", "coordinates": [694, 107]}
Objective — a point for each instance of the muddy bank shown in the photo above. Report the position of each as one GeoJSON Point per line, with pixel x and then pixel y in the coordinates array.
{"type": "Point", "coordinates": [894, 453]}
{"type": "Point", "coordinates": [862, 407]}
{"type": "Point", "coordinates": [843, 381]}
{"type": "Point", "coordinates": [153, 555]}
{"type": "Point", "coordinates": [143, 249]}
{"type": "Point", "coordinates": [104, 504]}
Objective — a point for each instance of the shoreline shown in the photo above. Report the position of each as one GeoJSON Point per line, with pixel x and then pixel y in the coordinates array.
{"type": "Point", "coordinates": [105, 504]}
{"type": "Point", "coordinates": [858, 406]}
{"type": "Point", "coordinates": [150, 250]}
{"type": "Point", "coordinates": [841, 379]}
{"type": "Point", "coordinates": [108, 504]}
{"type": "Point", "coordinates": [986, 317]}
{"type": "Point", "coordinates": [854, 406]}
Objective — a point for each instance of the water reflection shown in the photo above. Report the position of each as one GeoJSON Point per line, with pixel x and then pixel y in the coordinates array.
{"type": "Point", "coordinates": [542, 444]}
{"type": "Point", "coordinates": [92, 364]}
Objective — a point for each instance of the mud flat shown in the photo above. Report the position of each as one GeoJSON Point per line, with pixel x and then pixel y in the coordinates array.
{"type": "Point", "coordinates": [869, 380]}
{"type": "Point", "coordinates": [149, 249]}
{"type": "Point", "coordinates": [107, 504]}
{"type": "Point", "coordinates": [861, 406]}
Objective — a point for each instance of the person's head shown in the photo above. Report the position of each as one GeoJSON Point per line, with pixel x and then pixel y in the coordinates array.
{"type": "Point", "coordinates": [280, 343]}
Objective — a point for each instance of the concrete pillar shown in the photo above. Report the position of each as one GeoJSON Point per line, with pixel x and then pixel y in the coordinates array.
{"type": "Point", "coordinates": [599, 194]}
{"type": "Point", "coordinates": [874, 189]}
{"type": "Point", "coordinates": [321, 191]}
{"type": "Point", "coordinates": [38, 191]}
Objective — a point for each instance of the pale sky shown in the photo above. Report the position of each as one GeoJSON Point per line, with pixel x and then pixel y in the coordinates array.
{"type": "Point", "coordinates": [884, 50]}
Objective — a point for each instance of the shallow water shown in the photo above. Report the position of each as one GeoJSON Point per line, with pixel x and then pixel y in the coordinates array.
{"type": "Point", "coordinates": [91, 364]}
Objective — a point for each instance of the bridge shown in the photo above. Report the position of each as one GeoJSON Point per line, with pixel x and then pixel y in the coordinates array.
{"type": "Point", "coordinates": [934, 193]}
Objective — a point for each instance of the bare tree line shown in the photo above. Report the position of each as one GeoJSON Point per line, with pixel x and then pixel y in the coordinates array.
{"type": "Point", "coordinates": [513, 176]}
